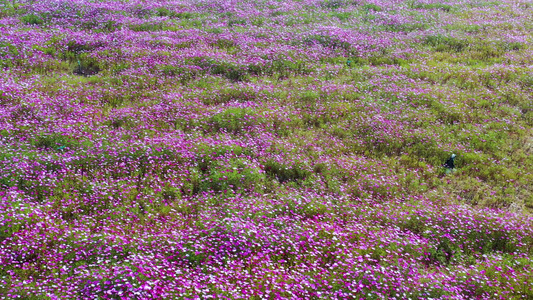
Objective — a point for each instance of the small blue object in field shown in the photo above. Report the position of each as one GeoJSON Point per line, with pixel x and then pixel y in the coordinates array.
{"type": "Point", "coordinates": [450, 164]}
{"type": "Point", "coordinates": [349, 63]}
{"type": "Point", "coordinates": [60, 147]}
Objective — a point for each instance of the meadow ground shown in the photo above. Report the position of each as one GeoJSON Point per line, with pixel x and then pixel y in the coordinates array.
{"type": "Point", "coordinates": [262, 149]}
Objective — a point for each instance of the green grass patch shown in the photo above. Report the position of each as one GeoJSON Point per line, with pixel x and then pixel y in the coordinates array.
{"type": "Point", "coordinates": [32, 20]}
{"type": "Point", "coordinates": [234, 120]}
{"type": "Point", "coordinates": [443, 43]}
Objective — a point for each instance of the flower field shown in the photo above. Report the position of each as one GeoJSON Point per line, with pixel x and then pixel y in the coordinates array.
{"type": "Point", "coordinates": [267, 149]}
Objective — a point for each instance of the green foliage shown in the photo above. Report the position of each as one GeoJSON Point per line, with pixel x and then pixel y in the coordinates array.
{"type": "Point", "coordinates": [377, 60]}
{"type": "Point", "coordinates": [236, 22]}
{"type": "Point", "coordinates": [283, 173]}
{"type": "Point", "coordinates": [184, 15]}
{"type": "Point", "coordinates": [309, 98]}
{"type": "Point", "coordinates": [258, 21]}
{"type": "Point", "coordinates": [334, 4]}
{"type": "Point", "coordinates": [49, 49]}
{"type": "Point", "coordinates": [8, 52]}
{"type": "Point", "coordinates": [236, 73]}
{"type": "Point", "coordinates": [447, 250]}
{"type": "Point", "coordinates": [32, 20]}
{"type": "Point", "coordinates": [9, 181]}
{"type": "Point", "coordinates": [238, 174]}
{"type": "Point", "coordinates": [371, 6]}
{"type": "Point", "coordinates": [12, 225]}
{"type": "Point", "coordinates": [445, 43]}
{"type": "Point", "coordinates": [214, 30]}
{"type": "Point", "coordinates": [342, 16]}
{"type": "Point", "coordinates": [147, 27]}
{"type": "Point", "coordinates": [165, 12]}
{"type": "Point", "coordinates": [75, 47]}
{"type": "Point", "coordinates": [57, 142]}
{"type": "Point", "coordinates": [404, 27]}
{"type": "Point", "coordinates": [223, 168]}
{"type": "Point", "coordinates": [488, 142]}
{"type": "Point", "coordinates": [526, 80]}
{"type": "Point", "coordinates": [86, 65]}
{"type": "Point", "coordinates": [228, 94]}
{"type": "Point", "coordinates": [189, 23]}
{"type": "Point", "coordinates": [119, 68]}
{"type": "Point", "coordinates": [233, 120]}
{"type": "Point", "coordinates": [226, 69]}
{"type": "Point", "coordinates": [519, 289]}
{"type": "Point", "coordinates": [224, 44]}
{"type": "Point", "coordinates": [230, 71]}
{"type": "Point", "coordinates": [183, 73]}
{"type": "Point", "coordinates": [433, 6]}
{"type": "Point", "coordinates": [466, 92]}
{"type": "Point", "coordinates": [285, 68]}
{"type": "Point", "coordinates": [78, 55]}
{"type": "Point", "coordinates": [96, 26]}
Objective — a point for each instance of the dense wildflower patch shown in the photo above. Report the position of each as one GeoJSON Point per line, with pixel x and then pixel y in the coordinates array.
{"type": "Point", "coordinates": [266, 149]}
